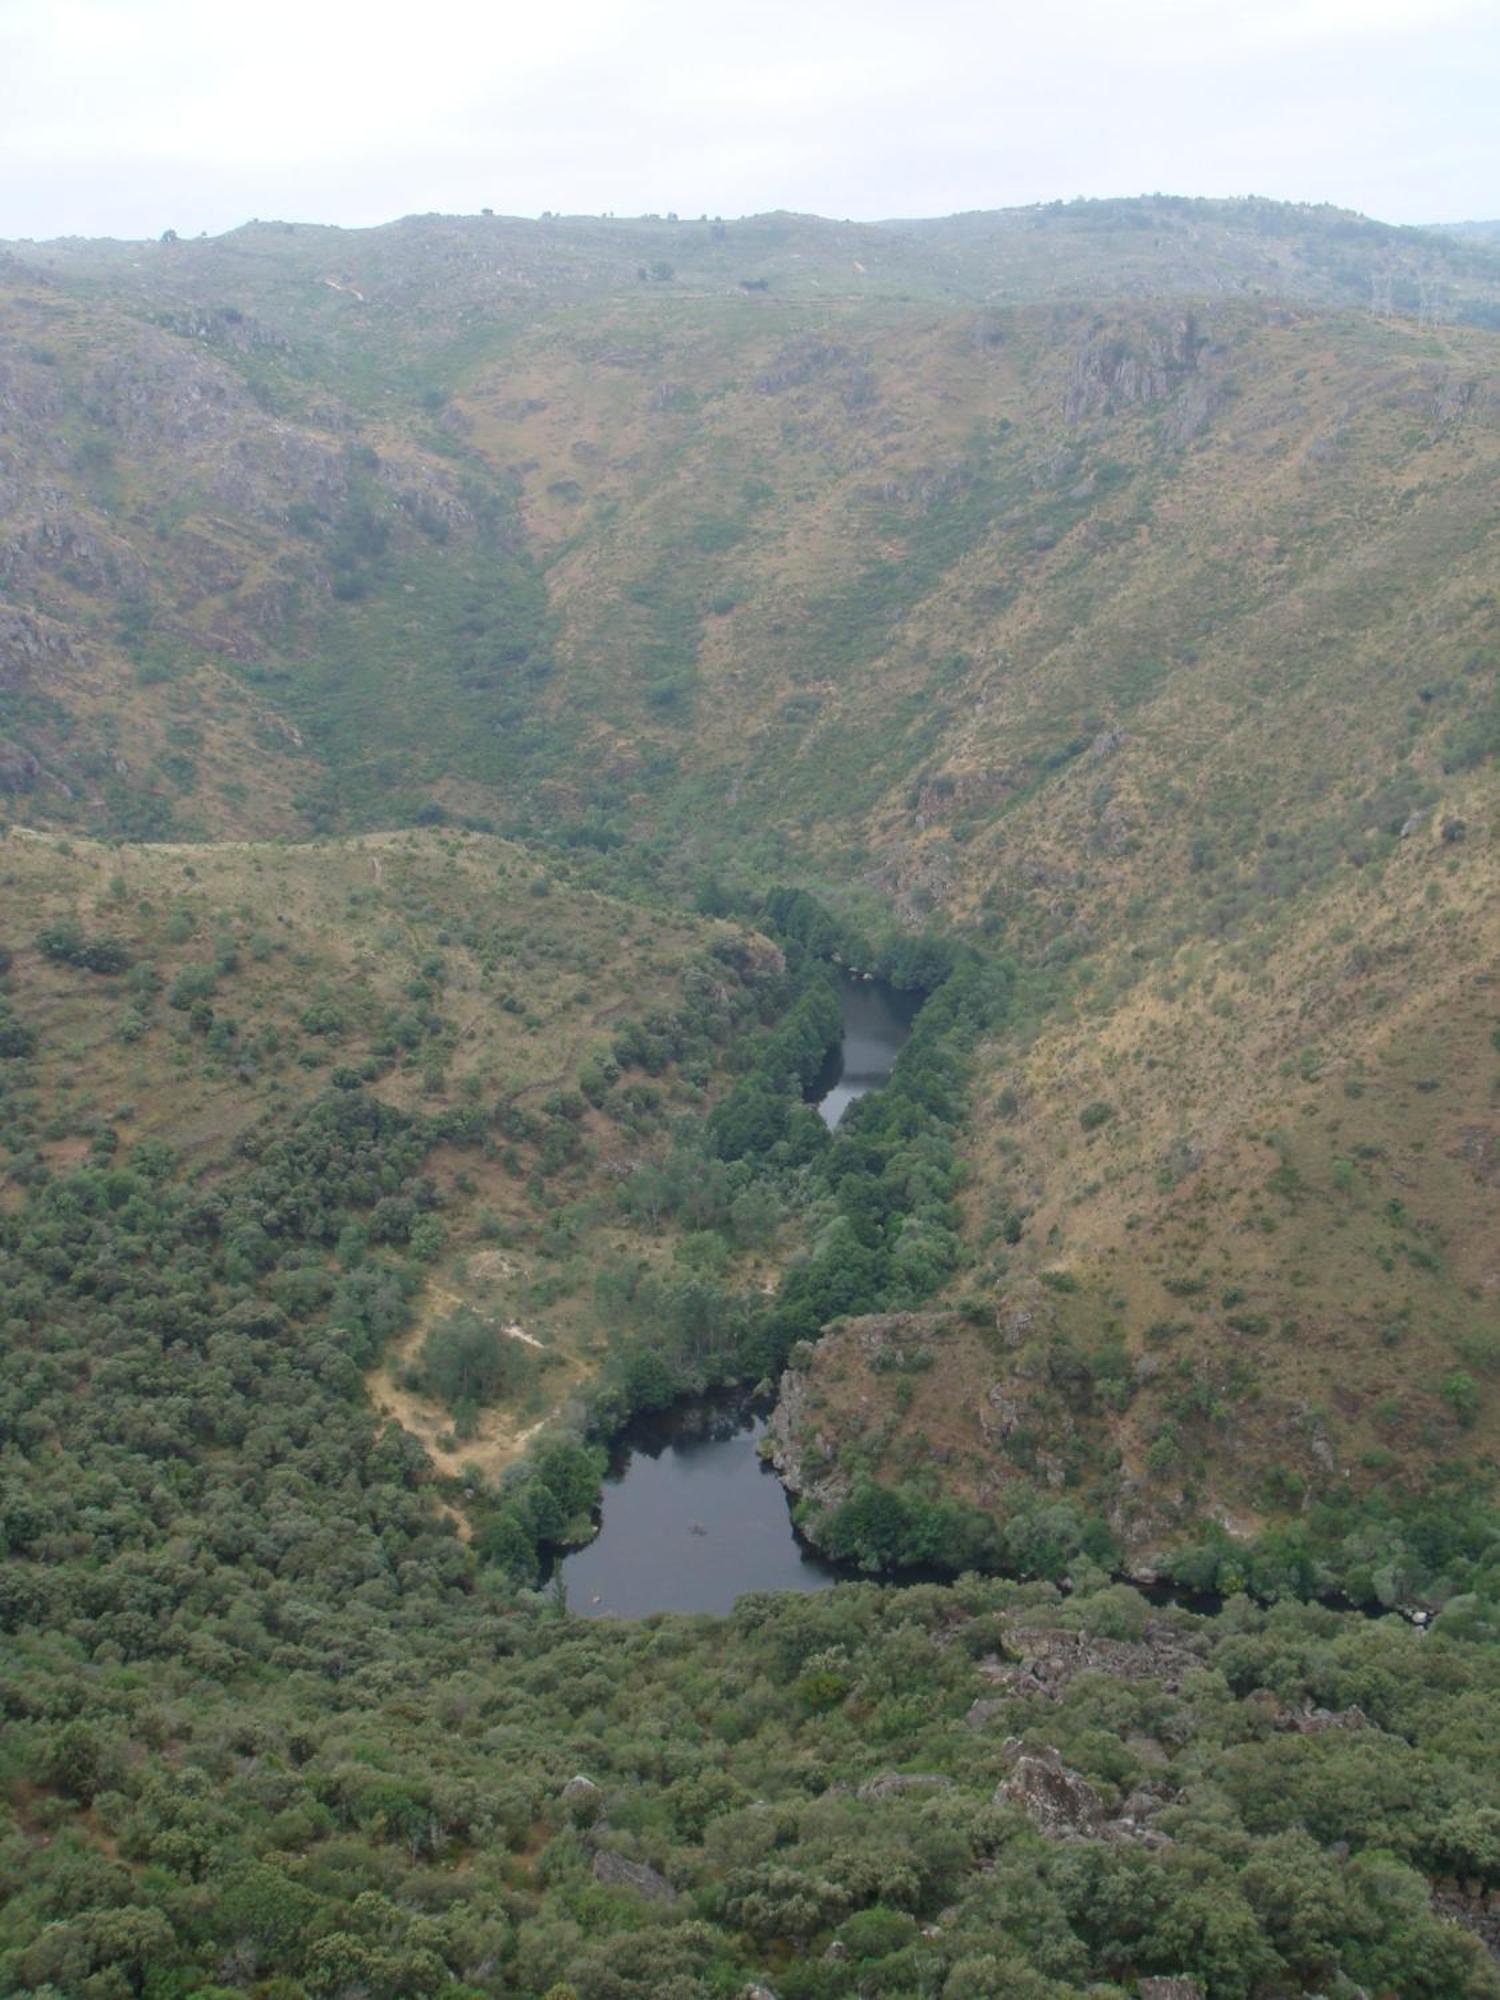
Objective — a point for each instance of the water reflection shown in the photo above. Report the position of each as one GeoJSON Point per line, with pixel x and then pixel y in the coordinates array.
{"type": "Point", "coordinates": [691, 1520]}
{"type": "Point", "coordinates": [877, 1023]}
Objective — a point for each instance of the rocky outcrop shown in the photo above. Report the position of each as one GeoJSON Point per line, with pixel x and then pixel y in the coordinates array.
{"type": "Point", "coordinates": [799, 1444]}
{"type": "Point", "coordinates": [19, 769]}
{"type": "Point", "coordinates": [800, 361]}
{"type": "Point", "coordinates": [1062, 1805]}
{"type": "Point", "coordinates": [1021, 1311]}
{"type": "Point", "coordinates": [1049, 1658]}
{"type": "Point", "coordinates": [1305, 1720]}
{"type": "Point", "coordinates": [801, 1450]}
{"type": "Point", "coordinates": [1058, 1802]}
{"type": "Point", "coordinates": [1478, 1148]}
{"type": "Point", "coordinates": [1193, 409]}
{"type": "Point", "coordinates": [615, 1871]}
{"type": "Point", "coordinates": [226, 328]}
{"type": "Point", "coordinates": [889, 1784]}
{"type": "Point", "coordinates": [62, 537]}
{"type": "Point", "coordinates": [1121, 367]}
{"type": "Point", "coordinates": [28, 646]}
{"type": "Point", "coordinates": [172, 410]}
{"type": "Point", "coordinates": [1478, 1913]}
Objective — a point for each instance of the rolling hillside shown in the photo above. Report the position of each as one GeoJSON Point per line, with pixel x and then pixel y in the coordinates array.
{"type": "Point", "coordinates": [191, 1005]}
{"type": "Point", "coordinates": [1110, 585]}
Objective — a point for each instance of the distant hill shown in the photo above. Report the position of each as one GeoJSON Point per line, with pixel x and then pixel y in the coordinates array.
{"type": "Point", "coordinates": [431, 274]}
{"type": "Point", "coordinates": [1482, 232]}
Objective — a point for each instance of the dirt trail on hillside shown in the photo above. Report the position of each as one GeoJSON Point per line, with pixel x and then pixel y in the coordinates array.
{"type": "Point", "coordinates": [499, 1437]}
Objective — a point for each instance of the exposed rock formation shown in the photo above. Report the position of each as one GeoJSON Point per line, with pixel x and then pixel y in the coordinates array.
{"type": "Point", "coordinates": [798, 1445]}
{"type": "Point", "coordinates": [1057, 1801]}
{"type": "Point", "coordinates": [1063, 1805]}
{"type": "Point", "coordinates": [614, 1871]}
{"type": "Point", "coordinates": [1479, 1913]}
{"type": "Point", "coordinates": [1051, 1657]}
{"type": "Point", "coordinates": [889, 1783]}
{"type": "Point", "coordinates": [19, 769]}
{"type": "Point", "coordinates": [1116, 368]}
{"type": "Point", "coordinates": [801, 1452]}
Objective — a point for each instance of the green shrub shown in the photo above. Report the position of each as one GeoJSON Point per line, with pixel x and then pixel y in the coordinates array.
{"type": "Point", "coordinates": [66, 944]}
{"type": "Point", "coordinates": [193, 986]}
{"type": "Point", "coordinates": [16, 1039]}
{"type": "Point", "coordinates": [1461, 1393]}
{"type": "Point", "coordinates": [466, 1359]}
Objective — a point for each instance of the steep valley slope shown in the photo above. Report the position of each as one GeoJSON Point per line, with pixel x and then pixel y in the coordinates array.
{"type": "Point", "coordinates": [1112, 586]}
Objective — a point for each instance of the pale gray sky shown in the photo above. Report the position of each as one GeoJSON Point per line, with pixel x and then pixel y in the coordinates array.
{"type": "Point", "coordinates": [125, 117]}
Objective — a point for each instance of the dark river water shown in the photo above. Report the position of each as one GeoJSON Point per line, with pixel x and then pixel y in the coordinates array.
{"type": "Point", "coordinates": [691, 1517]}
{"type": "Point", "coordinates": [877, 1021]}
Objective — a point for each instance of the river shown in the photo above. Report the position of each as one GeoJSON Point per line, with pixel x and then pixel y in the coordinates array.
{"type": "Point", "coordinates": [691, 1517]}
{"type": "Point", "coordinates": [877, 1022]}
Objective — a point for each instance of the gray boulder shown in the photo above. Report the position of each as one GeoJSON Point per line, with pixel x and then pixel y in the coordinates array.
{"type": "Point", "coordinates": [1059, 1802]}
{"type": "Point", "coordinates": [614, 1871]}
{"type": "Point", "coordinates": [889, 1783]}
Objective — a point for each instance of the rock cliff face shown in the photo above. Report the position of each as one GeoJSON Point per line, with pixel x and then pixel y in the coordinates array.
{"type": "Point", "coordinates": [801, 1451]}
{"type": "Point", "coordinates": [802, 1441]}
{"type": "Point", "coordinates": [1119, 367]}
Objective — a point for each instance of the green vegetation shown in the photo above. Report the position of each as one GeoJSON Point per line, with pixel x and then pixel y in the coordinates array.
{"type": "Point", "coordinates": [874, 1201]}
{"type": "Point", "coordinates": [411, 685]}
{"type": "Point", "coordinates": [798, 1776]}
{"type": "Point", "coordinates": [66, 944]}
{"type": "Point", "coordinates": [467, 1361]}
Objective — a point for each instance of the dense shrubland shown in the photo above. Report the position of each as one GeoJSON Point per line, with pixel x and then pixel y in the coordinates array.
{"type": "Point", "coordinates": [393, 1813]}
{"type": "Point", "coordinates": [276, 1727]}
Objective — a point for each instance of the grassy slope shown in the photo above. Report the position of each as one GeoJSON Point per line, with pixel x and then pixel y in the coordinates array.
{"type": "Point", "coordinates": [233, 604]}
{"type": "Point", "coordinates": [513, 991]}
{"type": "Point", "coordinates": [1272, 1256]}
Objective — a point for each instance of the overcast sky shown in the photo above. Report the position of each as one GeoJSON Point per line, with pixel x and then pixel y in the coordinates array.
{"type": "Point", "coordinates": [126, 117]}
